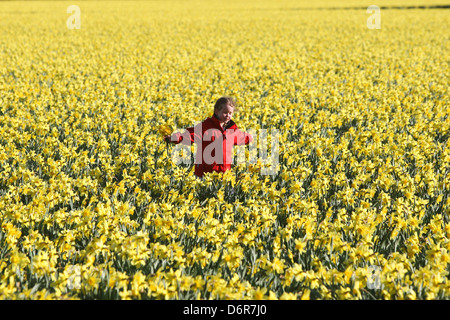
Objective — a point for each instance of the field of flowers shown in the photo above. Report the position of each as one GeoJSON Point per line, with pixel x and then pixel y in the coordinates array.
{"type": "Point", "coordinates": [93, 207]}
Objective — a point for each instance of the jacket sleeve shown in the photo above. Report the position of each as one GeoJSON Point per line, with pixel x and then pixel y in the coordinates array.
{"type": "Point", "coordinates": [187, 137]}
{"type": "Point", "coordinates": [242, 138]}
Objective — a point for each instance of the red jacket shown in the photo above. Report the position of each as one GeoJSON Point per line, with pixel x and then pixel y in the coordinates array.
{"type": "Point", "coordinates": [216, 144]}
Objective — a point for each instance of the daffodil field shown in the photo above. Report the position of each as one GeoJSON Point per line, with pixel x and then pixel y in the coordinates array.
{"type": "Point", "coordinates": [92, 205]}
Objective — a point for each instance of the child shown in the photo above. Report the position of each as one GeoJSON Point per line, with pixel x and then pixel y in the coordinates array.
{"type": "Point", "coordinates": [215, 138]}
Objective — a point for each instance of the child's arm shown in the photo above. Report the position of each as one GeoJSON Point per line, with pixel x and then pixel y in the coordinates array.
{"type": "Point", "coordinates": [187, 137]}
{"type": "Point", "coordinates": [242, 138]}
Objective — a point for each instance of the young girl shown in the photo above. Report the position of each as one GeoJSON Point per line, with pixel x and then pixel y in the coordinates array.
{"type": "Point", "coordinates": [215, 138]}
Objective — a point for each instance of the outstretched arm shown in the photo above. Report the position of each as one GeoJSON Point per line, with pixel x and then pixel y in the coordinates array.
{"type": "Point", "coordinates": [187, 137]}
{"type": "Point", "coordinates": [242, 138]}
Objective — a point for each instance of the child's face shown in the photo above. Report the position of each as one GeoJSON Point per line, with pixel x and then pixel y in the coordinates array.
{"type": "Point", "coordinates": [225, 113]}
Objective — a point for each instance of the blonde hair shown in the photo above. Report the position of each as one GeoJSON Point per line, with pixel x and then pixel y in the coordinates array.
{"type": "Point", "coordinates": [224, 101]}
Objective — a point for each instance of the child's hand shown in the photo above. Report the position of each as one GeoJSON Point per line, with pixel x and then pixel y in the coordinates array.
{"type": "Point", "coordinates": [167, 138]}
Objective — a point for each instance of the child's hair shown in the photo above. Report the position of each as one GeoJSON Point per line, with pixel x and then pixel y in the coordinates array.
{"type": "Point", "coordinates": [223, 101]}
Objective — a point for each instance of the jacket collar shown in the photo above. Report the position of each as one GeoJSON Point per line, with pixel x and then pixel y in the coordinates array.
{"type": "Point", "coordinates": [216, 120]}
